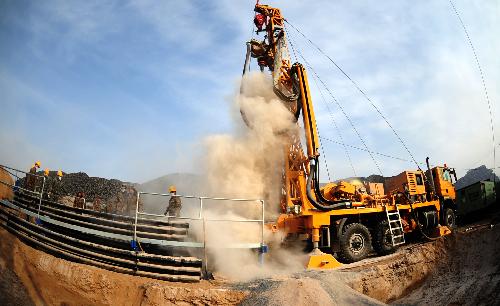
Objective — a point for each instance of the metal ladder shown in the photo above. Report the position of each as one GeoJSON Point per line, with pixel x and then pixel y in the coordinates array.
{"type": "Point", "coordinates": [395, 226]}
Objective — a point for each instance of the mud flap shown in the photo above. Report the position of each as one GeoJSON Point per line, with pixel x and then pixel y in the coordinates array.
{"type": "Point", "coordinates": [320, 260]}
{"type": "Point", "coordinates": [440, 231]}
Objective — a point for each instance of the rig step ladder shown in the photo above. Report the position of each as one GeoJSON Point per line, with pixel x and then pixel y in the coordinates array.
{"type": "Point", "coordinates": [395, 226]}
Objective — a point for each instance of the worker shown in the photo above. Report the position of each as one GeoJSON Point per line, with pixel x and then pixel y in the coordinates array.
{"type": "Point", "coordinates": [174, 204]}
{"type": "Point", "coordinates": [54, 188]}
{"type": "Point", "coordinates": [97, 204]}
{"type": "Point", "coordinates": [121, 201]}
{"type": "Point", "coordinates": [30, 180]}
{"type": "Point", "coordinates": [42, 183]}
{"type": "Point", "coordinates": [79, 200]}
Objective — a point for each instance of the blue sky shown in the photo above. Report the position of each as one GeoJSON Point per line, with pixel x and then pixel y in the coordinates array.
{"type": "Point", "coordinates": [129, 89]}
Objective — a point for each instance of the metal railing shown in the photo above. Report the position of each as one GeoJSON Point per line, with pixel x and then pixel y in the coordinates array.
{"type": "Point", "coordinates": [201, 218]}
{"type": "Point", "coordinates": [15, 187]}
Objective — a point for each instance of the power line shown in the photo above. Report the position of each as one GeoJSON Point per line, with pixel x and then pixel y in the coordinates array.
{"type": "Point", "coordinates": [361, 91]}
{"type": "Point", "coordinates": [482, 80]}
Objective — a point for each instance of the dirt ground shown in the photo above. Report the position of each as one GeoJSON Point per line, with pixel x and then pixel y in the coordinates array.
{"type": "Point", "coordinates": [461, 269]}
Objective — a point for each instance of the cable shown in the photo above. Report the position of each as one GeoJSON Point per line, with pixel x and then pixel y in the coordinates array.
{"type": "Point", "coordinates": [324, 155]}
{"type": "Point", "coordinates": [336, 127]}
{"type": "Point", "coordinates": [361, 149]}
{"type": "Point", "coordinates": [343, 111]}
{"type": "Point", "coordinates": [315, 76]}
{"type": "Point", "coordinates": [290, 41]}
{"type": "Point", "coordinates": [482, 80]}
{"type": "Point", "coordinates": [361, 91]}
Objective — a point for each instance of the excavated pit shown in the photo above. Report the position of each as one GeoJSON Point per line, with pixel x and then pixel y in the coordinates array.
{"type": "Point", "coordinates": [460, 269]}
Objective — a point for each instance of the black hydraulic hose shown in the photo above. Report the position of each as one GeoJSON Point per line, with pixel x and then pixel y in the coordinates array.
{"type": "Point", "coordinates": [247, 59]}
{"type": "Point", "coordinates": [319, 205]}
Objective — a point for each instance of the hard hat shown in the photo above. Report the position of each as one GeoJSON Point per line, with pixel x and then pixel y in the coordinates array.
{"type": "Point", "coordinates": [172, 189]}
{"type": "Point", "coordinates": [46, 172]}
{"type": "Point", "coordinates": [59, 173]}
{"type": "Point", "coordinates": [38, 164]}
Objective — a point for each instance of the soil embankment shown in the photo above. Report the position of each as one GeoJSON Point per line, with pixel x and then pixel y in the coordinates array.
{"type": "Point", "coordinates": [5, 182]}
{"type": "Point", "coordinates": [460, 269]}
{"type": "Point", "coordinates": [32, 277]}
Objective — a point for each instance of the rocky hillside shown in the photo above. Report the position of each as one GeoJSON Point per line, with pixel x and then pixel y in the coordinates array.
{"type": "Point", "coordinates": [475, 175]}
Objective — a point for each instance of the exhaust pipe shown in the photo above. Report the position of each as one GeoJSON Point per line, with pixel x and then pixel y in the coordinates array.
{"type": "Point", "coordinates": [433, 187]}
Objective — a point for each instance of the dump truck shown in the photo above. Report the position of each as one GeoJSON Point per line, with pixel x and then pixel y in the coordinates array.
{"type": "Point", "coordinates": [337, 218]}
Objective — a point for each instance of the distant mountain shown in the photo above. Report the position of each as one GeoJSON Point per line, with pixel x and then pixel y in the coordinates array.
{"type": "Point", "coordinates": [475, 175]}
{"type": "Point", "coordinates": [185, 183]}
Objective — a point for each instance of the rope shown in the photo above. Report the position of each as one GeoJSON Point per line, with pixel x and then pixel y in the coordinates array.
{"type": "Point", "coordinates": [482, 80]}
{"type": "Point", "coordinates": [361, 91]}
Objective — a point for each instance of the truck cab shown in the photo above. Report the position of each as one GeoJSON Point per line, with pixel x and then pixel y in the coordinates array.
{"type": "Point", "coordinates": [441, 180]}
{"type": "Point", "coordinates": [444, 182]}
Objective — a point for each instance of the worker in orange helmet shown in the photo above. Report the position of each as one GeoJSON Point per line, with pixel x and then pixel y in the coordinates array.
{"type": "Point", "coordinates": [174, 204]}
{"type": "Point", "coordinates": [30, 180]}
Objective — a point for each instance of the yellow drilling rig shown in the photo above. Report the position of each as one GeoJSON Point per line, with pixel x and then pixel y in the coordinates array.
{"type": "Point", "coordinates": [336, 218]}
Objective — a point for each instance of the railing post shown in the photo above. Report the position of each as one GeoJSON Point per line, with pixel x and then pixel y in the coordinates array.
{"type": "Point", "coordinates": [263, 248]}
{"type": "Point", "coordinates": [205, 257]}
{"type": "Point", "coordinates": [40, 201]}
{"type": "Point", "coordinates": [136, 212]}
{"type": "Point", "coordinates": [201, 208]}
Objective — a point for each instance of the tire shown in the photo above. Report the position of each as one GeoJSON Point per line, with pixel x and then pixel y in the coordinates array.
{"type": "Point", "coordinates": [449, 218]}
{"type": "Point", "coordinates": [355, 243]}
{"type": "Point", "coordinates": [382, 243]}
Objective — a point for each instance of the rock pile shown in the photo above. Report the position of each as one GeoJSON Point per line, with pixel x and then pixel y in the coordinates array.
{"type": "Point", "coordinates": [114, 196]}
{"type": "Point", "coordinates": [93, 187]}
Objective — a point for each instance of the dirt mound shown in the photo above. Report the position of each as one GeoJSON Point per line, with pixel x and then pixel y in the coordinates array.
{"type": "Point", "coordinates": [305, 289]}
{"type": "Point", "coordinates": [468, 273]}
{"type": "Point", "coordinates": [461, 269]}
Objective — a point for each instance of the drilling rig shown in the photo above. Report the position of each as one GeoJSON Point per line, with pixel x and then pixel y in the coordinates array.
{"type": "Point", "coordinates": [335, 218]}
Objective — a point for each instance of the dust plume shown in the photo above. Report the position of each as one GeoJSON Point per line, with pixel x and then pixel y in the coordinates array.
{"type": "Point", "coordinates": [248, 163]}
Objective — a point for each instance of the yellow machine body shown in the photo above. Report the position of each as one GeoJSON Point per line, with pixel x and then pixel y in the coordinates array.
{"type": "Point", "coordinates": [305, 208]}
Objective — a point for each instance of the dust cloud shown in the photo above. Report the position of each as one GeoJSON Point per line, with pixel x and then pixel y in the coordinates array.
{"type": "Point", "coordinates": [248, 163]}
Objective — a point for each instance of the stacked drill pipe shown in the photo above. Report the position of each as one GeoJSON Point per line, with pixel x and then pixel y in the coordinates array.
{"type": "Point", "coordinates": [65, 240]}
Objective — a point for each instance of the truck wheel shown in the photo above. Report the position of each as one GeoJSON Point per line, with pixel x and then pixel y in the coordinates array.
{"type": "Point", "coordinates": [382, 243]}
{"type": "Point", "coordinates": [355, 243]}
{"type": "Point", "coordinates": [449, 218]}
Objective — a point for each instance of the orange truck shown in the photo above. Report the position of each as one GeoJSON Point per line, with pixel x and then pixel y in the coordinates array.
{"type": "Point", "coordinates": [335, 221]}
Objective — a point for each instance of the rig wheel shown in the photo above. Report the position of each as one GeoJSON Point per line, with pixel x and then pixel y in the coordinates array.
{"type": "Point", "coordinates": [355, 243]}
{"type": "Point", "coordinates": [382, 243]}
{"type": "Point", "coordinates": [449, 219]}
